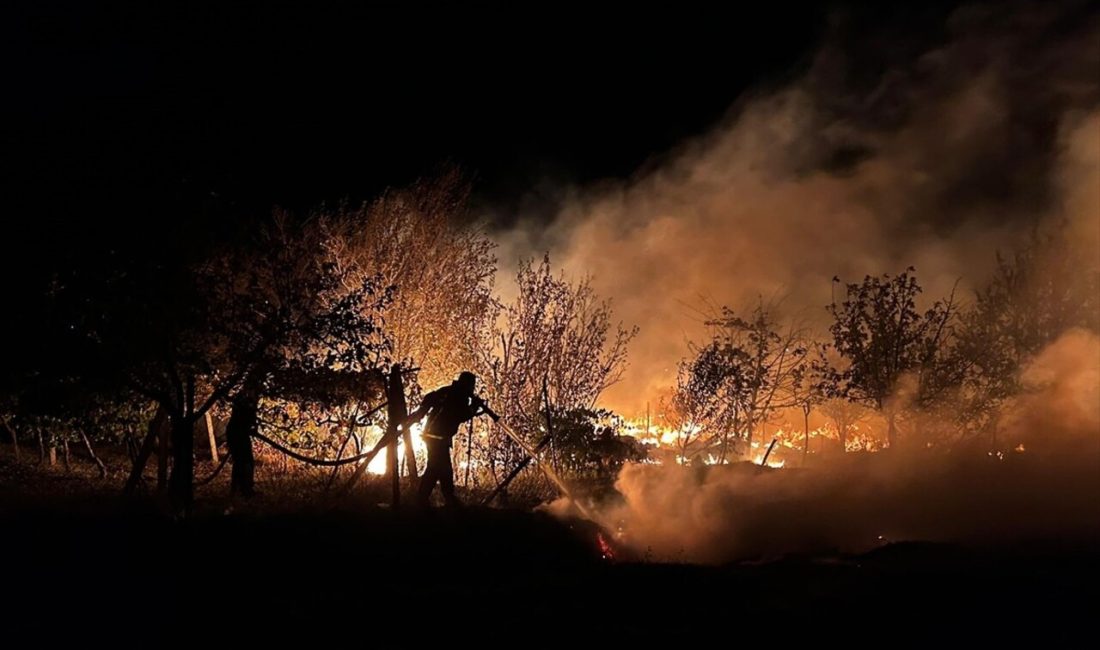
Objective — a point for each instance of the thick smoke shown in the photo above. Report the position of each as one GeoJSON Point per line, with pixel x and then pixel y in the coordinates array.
{"type": "Point", "coordinates": [866, 164]}
{"type": "Point", "coordinates": [1059, 410]}
{"type": "Point", "coordinates": [1047, 489]}
{"type": "Point", "coordinates": [877, 158]}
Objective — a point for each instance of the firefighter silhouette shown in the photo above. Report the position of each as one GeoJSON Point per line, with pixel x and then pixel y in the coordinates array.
{"type": "Point", "coordinates": [447, 408]}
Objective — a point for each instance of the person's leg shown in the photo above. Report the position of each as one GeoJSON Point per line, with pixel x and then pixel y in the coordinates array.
{"type": "Point", "coordinates": [447, 479]}
{"type": "Point", "coordinates": [431, 475]}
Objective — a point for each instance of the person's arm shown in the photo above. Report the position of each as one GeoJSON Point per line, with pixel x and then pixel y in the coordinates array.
{"type": "Point", "coordinates": [427, 404]}
{"type": "Point", "coordinates": [413, 418]}
{"type": "Point", "coordinates": [479, 407]}
{"type": "Point", "coordinates": [474, 409]}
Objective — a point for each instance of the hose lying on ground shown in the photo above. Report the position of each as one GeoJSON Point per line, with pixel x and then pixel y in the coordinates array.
{"type": "Point", "coordinates": [324, 462]}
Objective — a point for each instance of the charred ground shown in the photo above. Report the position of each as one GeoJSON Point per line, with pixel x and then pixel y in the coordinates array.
{"type": "Point", "coordinates": [284, 570]}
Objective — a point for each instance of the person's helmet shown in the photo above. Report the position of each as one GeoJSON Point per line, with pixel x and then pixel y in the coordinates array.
{"type": "Point", "coordinates": [467, 380]}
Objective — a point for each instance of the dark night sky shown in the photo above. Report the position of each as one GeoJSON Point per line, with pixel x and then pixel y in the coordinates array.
{"type": "Point", "coordinates": [135, 136]}
{"type": "Point", "coordinates": [131, 125]}
{"type": "Point", "coordinates": [113, 113]}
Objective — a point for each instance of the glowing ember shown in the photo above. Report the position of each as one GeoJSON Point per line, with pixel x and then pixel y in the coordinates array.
{"type": "Point", "coordinates": [606, 552]}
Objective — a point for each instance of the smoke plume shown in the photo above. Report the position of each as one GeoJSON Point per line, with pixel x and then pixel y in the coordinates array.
{"type": "Point", "coordinates": [1060, 406]}
{"type": "Point", "coordinates": [1046, 489]}
{"type": "Point", "coordinates": [869, 162]}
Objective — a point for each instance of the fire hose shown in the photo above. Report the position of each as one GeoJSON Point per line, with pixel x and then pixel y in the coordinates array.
{"type": "Point", "coordinates": [324, 462]}
{"type": "Point", "coordinates": [532, 453]}
{"type": "Point", "coordinates": [395, 433]}
{"type": "Point", "coordinates": [546, 469]}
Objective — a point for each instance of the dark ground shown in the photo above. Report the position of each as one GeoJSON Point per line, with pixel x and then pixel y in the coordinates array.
{"type": "Point", "coordinates": [99, 570]}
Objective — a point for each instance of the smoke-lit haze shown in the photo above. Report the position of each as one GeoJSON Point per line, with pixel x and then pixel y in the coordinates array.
{"type": "Point", "coordinates": [1049, 489]}
{"type": "Point", "coordinates": [865, 164]}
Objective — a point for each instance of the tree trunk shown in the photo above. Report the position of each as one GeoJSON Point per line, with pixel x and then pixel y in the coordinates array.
{"type": "Point", "coordinates": [892, 431]}
{"type": "Point", "coordinates": [393, 472]}
{"type": "Point", "coordinates": [238, 436]}
{"type": "Point", "coordinates": [340, 454]}
{"type": "Point", "coordinates": [469, 453]}
{"type": "Point", "coordinates": [91, 452]}
{"type": "Point", "coordinates": [181, 483]}
{"type": "Point", "coordinates": [492, 454]}
{"type": "Point", "coordinates": [162, 458]}
{"type": "Point", "coordinates": [14, 438]}
{"type": "Point", "coordinates": [396, 411]}
{"type": "Point", "coordinates": [65, 456]}
{"type": "Point", "coordinates": [410, 457]}
{"type": "Point", "coordinates": [53, 453]}
{"type": "Point", "coordinates": [41, 446]}
{"type": "Point", "coordinates": [132, 447]}
{"type": "Point", "coordinates": [806, 428]}
{"type": "Point", "coordinates": [150, 441]}
{"type": "Point", "coordinates": [209, 421]}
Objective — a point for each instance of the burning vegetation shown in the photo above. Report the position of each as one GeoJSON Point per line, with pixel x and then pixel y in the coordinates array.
{"type": "Point", "coordinates": [819, 396]}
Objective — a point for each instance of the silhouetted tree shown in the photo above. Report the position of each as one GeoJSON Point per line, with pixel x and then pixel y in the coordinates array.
{"type": "Point", "coordinates": [751, 368]}
{"type": "Point", "coordinates": [844, 415]}
{"type": "Point", "coordinates": [881, 337]}
{"type": "Point", "coordinates": [555, 331]}
{"type": "Point", "coordinates": [710, 390]}
{"type": "Point", "coordinates": [773, 356]}
{"type": "Point", "coordinates": [189, 334]}
{"type": "Point", "coordinates": [587, 443]}
{"type": "Point", "coordinates": [438, 262]}
{"type": "Point", "coordinates": [1034, 296]}
{"type": "Point", "coordinates": [806, 394]}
